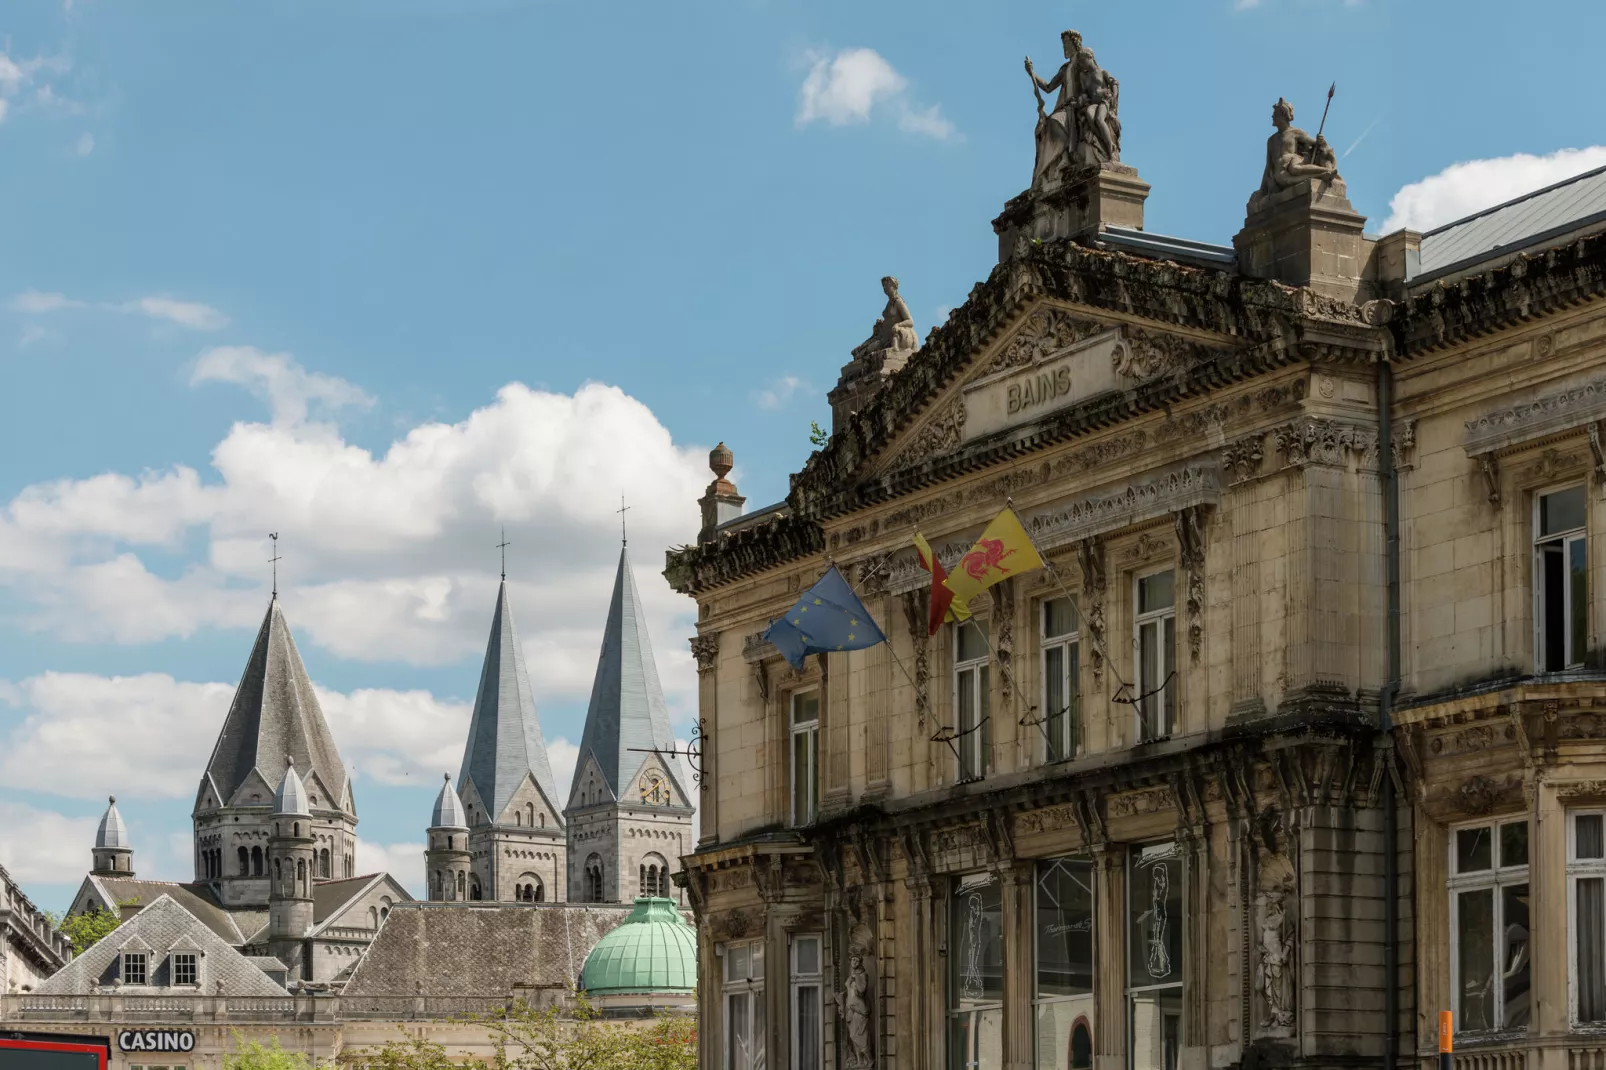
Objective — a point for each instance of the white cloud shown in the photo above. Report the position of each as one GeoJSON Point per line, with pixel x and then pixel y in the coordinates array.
{"type": "Point", "coordinates": [85, 144]}
{"type": "Point", "coordinates": [397, 737]}
{"type": "Point", "coordinates": [18, 76]}
{"type": "Point", "coordinates": [778, 393]}
{"type": "Point", "coordinates": [42, 846]}
{"type": "Point", "coordinates": [404, 861]}
{"type": "Point", "coordinates": [847, 87]}
{"type": "Point", "coordinates": [1473, 185]}
{"type": "Point", "coordinates": [190, 314]}
{"type": "Point", "coordinates": [563, 755]}
{"type": "Point", "coordinates": [33, 301]}
{"type": "Point", "coordinates": [288, 387]}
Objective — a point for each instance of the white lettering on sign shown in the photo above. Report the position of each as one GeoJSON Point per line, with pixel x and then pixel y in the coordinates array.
{"type": "Point", "coordinates": [1053, 381]}
{"type": "Point", "coordinates": [156, 1040]}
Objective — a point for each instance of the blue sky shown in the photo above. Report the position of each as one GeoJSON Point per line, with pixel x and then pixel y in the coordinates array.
{"type": "Point", "coordinates": [275, 266]}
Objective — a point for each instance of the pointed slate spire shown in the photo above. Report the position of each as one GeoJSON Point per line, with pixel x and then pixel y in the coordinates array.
{"type": "Point", "coordinates": [275, 719]}
{"type": "Point", "coordinates": [448, 813]}
{"type": "Point", "coordinates": [291, 798]}
{"type": "Point", "coordinates": [627, 716]}
{"type": "Point", "coordinates": [112, 833]}
{"type": "Point", "coordinates": [504, 736]}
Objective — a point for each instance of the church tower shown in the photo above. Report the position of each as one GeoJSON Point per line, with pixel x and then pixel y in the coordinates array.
{"type": "Point", "coordinates": [446, 858]}
{"type": "Point", "coordinates": [629, 812]}
{"type": "Point", "coordinates": [273, 721]}
{"type": "Point", "coordinates": [291, 855]}
{"type": "Point", "coordinates": [114, 852]}
{"type": "Point", "coordinates": [510, 802]}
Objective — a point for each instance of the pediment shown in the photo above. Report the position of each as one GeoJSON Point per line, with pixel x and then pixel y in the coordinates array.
{"type": "Point", "coordinates": [590, 786]}
{"type": "Point", "coordinates": [254, 790]}
{"type": "Point", "coordinates": [655, 783]}
{"type": "Point", "coordinates": [529, 793]}
{"type": "Point", "coordinates": [1051, 360]}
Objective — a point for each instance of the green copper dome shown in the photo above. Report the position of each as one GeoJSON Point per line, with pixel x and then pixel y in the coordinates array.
{"type": "Point", "coordinates": [653, 950]}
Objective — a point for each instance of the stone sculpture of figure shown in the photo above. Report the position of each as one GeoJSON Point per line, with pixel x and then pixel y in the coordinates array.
{"type": "Point", "coordinates": [853, 1005]}
{"type": "Point", "coordinates": [1293, 155]}
{"type": "Point", "coordinates": [895, 330]}
{"type": "Point", "coordinates": [1083, 128]}
{"type": "Point", "coordinates": [1276, 958]}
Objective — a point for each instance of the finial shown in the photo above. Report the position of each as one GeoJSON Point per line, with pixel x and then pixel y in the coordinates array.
{"type": "Point", "coordinates": [503, 545]}
{"type": "Point", "coordinates": [623, 508]}
{"type": "Point", "coordinates": [448, 778]}
{"type": "Point", "coordinates": [289, 761]}
{"type": "Point", "coordinates": [274, 535]}
{"type": "Point", "coordinates": [111, 800]}
{"type": "Point", "coordinates": [720, 460]}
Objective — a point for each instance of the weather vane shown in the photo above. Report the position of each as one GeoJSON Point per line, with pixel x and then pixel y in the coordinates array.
{"type": "Point", "coordinates": [503, 545]}
{"type": "Point", "coordinates": [623, 508]}
{"type": "Point", "coordinates": [274, 560]}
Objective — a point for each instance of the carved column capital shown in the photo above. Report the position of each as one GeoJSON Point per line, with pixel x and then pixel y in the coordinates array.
{"type": "Point", "coordinates": [705, 648]}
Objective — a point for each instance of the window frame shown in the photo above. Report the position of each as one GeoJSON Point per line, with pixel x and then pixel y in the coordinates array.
{"type": "Point", "coordinates": [1069, 644]}
{"type": "Point", "coordinates": [1128, 990]}
{"type": "Point", "coordinates": [808, 733]}
{"type": "Point", "coordinates": [1580, 869]}
{"type": "Point", "coordinates": [1165, 692]}
{"type": "Point", "coordinates": [1495, 879]}
{"type": "Point", "coordinates": [751, 990]}
{"type": "Point", "coordinates": [979, 1010]}
{"type": "Point", "coordinates": [973, 746]}
{"type": "Point", "coordinates": [126, 959]}
{"type": "Point", "coordinates": [799, 980]}
{"type": "Point", "coordinates": [173, 965]}
{"type": "Point", "coordinates": [1571, 659]}
{"type": "Point", "coordinates": [1038, 1000]}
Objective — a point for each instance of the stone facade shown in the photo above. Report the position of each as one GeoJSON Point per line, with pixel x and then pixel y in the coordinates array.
{"type": "Point", "coordinates": [1292, 743]}
{"type": "Point", "coordinates": [30, 947]}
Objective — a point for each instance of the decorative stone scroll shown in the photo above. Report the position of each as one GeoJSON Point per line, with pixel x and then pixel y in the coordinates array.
{"type": "Point", "coordinates": [1572, 406]}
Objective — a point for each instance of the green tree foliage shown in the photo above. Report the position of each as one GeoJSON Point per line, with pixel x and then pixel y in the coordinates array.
{"type": "Point", "coordinates": [818, 436]}
{"type": "Point", "coordinates": [411, 1053]}
{"type": "Point", "coordinates": [85, 929]}
{"type": "Point", "coordinates": [254, 1055]}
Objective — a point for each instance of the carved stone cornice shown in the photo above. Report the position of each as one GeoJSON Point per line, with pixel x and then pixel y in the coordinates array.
{"type": "Point", "coordinates": [1574, 406]}
{"type": "Point", "coordinates": [732, 555]}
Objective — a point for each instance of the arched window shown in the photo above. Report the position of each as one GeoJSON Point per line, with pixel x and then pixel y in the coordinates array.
{"type": "Point", "coordinates": [297, 827]}
{"type": "Point", "coordinates": [438, 886]}
{"type": "Point", "coordinates": [474, 888]}
{"type": "Point", "coordinates": [278, 872]}
{"type": "Point", "coordinates": [655, 880]}
{"type": "Point", "coordinates": [593, 879]}
{"type": "Point", "coordinates": [256, 861]}
{"type": "Point", "coordinates": [529, 814]}
{"type": "Point", "coordinates": [245, 862]}
{"type": "Point", "coordinates": [301, 877]}
{"type": "Point", "coordinates": [528, 888]}
{"type": "Point", "coordinates": [461, 888]}
{"type": "Point", "coordinates": [643, 889]}
{"type": "Point", "coordinates": [373, 917]}
{"type": "Point", "coordinates": [540, 892]}
{"type": "Point", "coordinates": [518, 819]}
{"type": "Point", "coordinates": [323, 862]}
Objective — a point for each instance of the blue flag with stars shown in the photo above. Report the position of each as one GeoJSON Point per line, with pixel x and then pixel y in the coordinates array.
{"type": "Point", "coordinates": [828, 617]}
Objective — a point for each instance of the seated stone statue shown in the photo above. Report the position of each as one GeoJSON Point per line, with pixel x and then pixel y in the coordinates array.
{"type": "Point", "coordinates": [1292, 155]}
{"type": "Point", "coordinates": [895, 330]}
{"type": "Point", "coordinates": [1082, 129]}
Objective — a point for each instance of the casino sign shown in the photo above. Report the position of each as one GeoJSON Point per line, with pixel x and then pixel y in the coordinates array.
{"type": "Point", "coordinates": [156, 1040]}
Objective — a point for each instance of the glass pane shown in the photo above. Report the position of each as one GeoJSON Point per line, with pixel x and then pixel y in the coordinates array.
{"type": "Point", "coordinates": [976, 1040]}
{"type": "Point", "coordinates": [806, 956]}
{"type": "Point", "coordinates": [972, 640]}
{"type": "Point", "coordinates": [1561, 511]}
{"type": "Point", "coordinates": [1054, 701]}
{"type": "Point", "coordinates": [1590, 894]}
{"type": "Point", "coordinates": [1514, 844]}
{"type": "Point", "coordinates": [806, 1020]}
{"type": "Point", "coordinates": [976, 944]}
{"type": "Point", "coordinates": [758, 1042]}
{"type": "Point", "coordinates": [1473, 850]}
{"type": "Point", "coordinates": [1515, 966]}
{"type": "Point", "coordinates": [984, 734]}
{"type": "Point", "coordinates": [1474, 938]}
{"type": "Point", "coordinates": [1064, 927]}
{"type": "Point", "coordinates": [1168, 680]}
{"type": "Point", "coordinates": [1589, 843]}
{"type": "Point", "coordinates": [1553, 609]}
{"type": "Point", "coordinates": [757, 969]}
{"type": "Point", "coordinates": [1154, 905]}
{"type": "Point", "coordinates": [736, 963]}
{"type": "Point", "coordinates": [800, 778]}
{"type": "Point", "coordinates": [1073, 720]}
{"type": "Point", "coordinates": [1059, 617]}
{"type": "Point", "coordinates": [1578, 610]}
{"type": "Point", "coordinates": [1156, 1029]}
{"type": "Point", "coordinates": [806, 708]}
{"type": "Point", "coordinates": [1065, 1034]}
{"type": "Point", "coordinates": [1156, 592]}
{"type": "Point", "coordinates": [738, 1032]}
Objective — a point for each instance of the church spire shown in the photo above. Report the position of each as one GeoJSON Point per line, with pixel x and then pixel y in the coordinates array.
{"type": "Point", "coordinates": [114, 851]}
{"type": "Point", "coordinates": [627, 717]}
{"type": "Point", "coordinates": [505, 744]}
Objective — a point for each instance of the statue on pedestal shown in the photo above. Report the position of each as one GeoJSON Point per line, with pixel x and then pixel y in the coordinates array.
{"type": "Point", "coordinates": [894, 332]}
{"type": "Point", "coordinates": [1292, 155]}
{"type": "Point", "coordinates": [1084, 129]}
{"type": "Point", "coordinates": [853, 1004]}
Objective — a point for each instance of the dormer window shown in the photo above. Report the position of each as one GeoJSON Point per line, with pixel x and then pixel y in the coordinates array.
{"type": "Point", "coordinates": [184, 969]}
{"type": "Point", "coordinates": [134, 963]}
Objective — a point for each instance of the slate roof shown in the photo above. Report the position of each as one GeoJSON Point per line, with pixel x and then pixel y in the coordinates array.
{"type": "Point", "coordinates": [160, 926]}
{"type": "Point", "coordinates": [112, 833]}
{"type": "Point", "coordinates": [504, 736]}
{"type": "Point", "coordinates": [196, 899]}
{"type": "Point", "coordinates": [462, 949]}
{"type": "Point", "coordinates": [275, 714]}
{"type": "Point", "coordinates": [1529, 220]}
{"type": "Point", "coordinates": [291, 798]}
{"type": "Point", "coordinates": [328, 897]}
{"type": "Point", "coordinates": [627, 716]}
{"type": "Point", "coordinates": [448, 812]}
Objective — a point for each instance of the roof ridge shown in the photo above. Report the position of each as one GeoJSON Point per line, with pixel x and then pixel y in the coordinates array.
{"type": "Point", "coordinates": [1530, 195]}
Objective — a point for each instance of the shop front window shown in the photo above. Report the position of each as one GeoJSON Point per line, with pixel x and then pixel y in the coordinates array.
{"type": "Point", "coordinates": [1489, 920]}
{"type": "Point", "coordinates": [1063, 995]}
{"type": "Point", "coordinates": [976, 975]}
{"type": "Point", "coordinates": [1154, 957]}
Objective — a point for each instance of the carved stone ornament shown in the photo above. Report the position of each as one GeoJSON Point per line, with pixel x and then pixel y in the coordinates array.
{"type": "Point", "coordinates": [1275, 928]}
{"type": "Point", "coordinates": [1241, 460]}
{"type": "Point", "coordinates": [1561, 410]}
{"type": "Point", "coordinates": [1477, 796]}
{"type": "Point", "coordinates": [853, 1005]}
{"type": "Point", "coordinates": [941, 433]}
{"type": "Point", "coordinates": [1148, 356]}
{"type": "Point", "coordinates": [915, 615]}
{"type": "Point", "coordinates": [1082, 128]}
{"type": "Point", "coordinates": [1151, 499]}
{"type": "Point", "coordinates": [1048, 819]}
{"type": "Point", "coordinates": [1045, 332]}
{"type": "Point", "coordinates": [733, 924]}
{"type": "Point", "coordinates": [1090, 556]}
{"type": "Point", "coordinates": [1550, 465]}
{"type": "Point", "coordinates": [1133, 803]}
{"type": "Point", "coordinates": [1190, 530]}
{"type": "Point", "coordinates": [705, 648]}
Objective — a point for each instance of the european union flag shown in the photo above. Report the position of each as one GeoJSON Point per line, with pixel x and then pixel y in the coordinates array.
{"type": "Point", "coordinates": [828, 617]}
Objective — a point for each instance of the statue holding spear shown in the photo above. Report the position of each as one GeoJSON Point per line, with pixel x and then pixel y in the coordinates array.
{"type": "Point", "coordinates": [1292, 156]}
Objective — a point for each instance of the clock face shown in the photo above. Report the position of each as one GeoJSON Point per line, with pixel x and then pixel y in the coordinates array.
{"type": "Point", "coordinates": [654, 791]}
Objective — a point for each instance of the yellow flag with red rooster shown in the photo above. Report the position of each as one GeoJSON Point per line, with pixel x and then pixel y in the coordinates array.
{"type": "Point", "coordinates": [1004, 550]}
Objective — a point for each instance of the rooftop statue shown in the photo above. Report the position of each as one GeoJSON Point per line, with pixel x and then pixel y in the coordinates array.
{"type": "Point", "coordinates": [1084, 129]}
{"type": "Point", "coordinates": [1292, 155]}
{"type": "Point", "coordinates": [895, 330]}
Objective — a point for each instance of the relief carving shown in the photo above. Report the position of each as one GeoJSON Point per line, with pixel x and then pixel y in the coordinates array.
{"type": "Point", "coordinates": [1090, 556]}
{"type": "Point", "coordinates": [1580, 789]}
{"type": "Point", "coordinates": [705, 648]}
{"type": "Point", "coordinates": [1003, 595]}
{"type": "Point", "coordinates": [915, 615]}
{"type": "Point", "coordinates": [1275, 945]}
{"type": "Point", "coordinates": [1319, 442]}
{"type": "Point", "coordinates": [1477, 796]}
{"type": "Point", "coordinates": [1133, 803]}
{"type": "Point", "coordinates": [1241, 460]}
{"type": "Point", "coordinates": [1190, 538]}
{"type": "Point", "coordinates": [1046, 332]}
{"type": "Point", "coordinates": [1049, 819]}
{"type": "Point", "coordinates": [939, 434]}
{"type": "Point", "coordinates": [1512, 424]}
{"type": "Point", "coordinates": [1148, 356]}
{"type": "Point", "coordinates": [1551, 464]}
{"type": "Point", "coordinates": [1097, 514]}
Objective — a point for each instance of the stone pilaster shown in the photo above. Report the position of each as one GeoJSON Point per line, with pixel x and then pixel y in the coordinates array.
{"type": "Point", "coordinates": [1109, 988]}
{"type": "Point", "coordinates": [1018, 1027]}
{"type": "Point", "coordinates": [705, 648]}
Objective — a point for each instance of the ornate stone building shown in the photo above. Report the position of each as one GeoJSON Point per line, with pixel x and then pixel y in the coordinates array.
{"type": "Point", "coordinates": [1293, 743]}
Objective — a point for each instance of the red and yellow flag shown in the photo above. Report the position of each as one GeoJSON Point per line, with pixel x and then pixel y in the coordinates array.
{"type": "Point", "coordinates": [1004, 550]}
{"type": "Point", "coordinates": [943, 606]}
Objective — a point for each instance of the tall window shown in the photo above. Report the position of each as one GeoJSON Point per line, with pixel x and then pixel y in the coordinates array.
{"type": "Point", "coordinates": [1063, 996]}
{"type": "Point", "coordinates": [1156, 638]}
{"type": "Point", "coordinates": [808, 1020]}
{"type": "Point", "coordinates": [976, 975]}
{"type": "Point", "coordinates": [593, 879]}
{"type": "Point", "coordinates": [1062, 712]}
{"type": "Point", "coordinates": [1561, 588]}
{"type": "Point", "coordinates": [133, 967]}
{"type": "Point", "coordinates": [971, 730]}
{"type": "Point", "coordinates": [1154, 956]}
{"type": "Point", "coordinates": [256, 861]}
{"type": "Point", "coordinates": [1586, 880]}
{"type": "Point", "coordinates": [245, 862]}
{"type": "Point", "coordinates": [1489, 962]}
{"type": "Point", "coordinates": [183, 968]}
{"type": "Point", "coordinates": [744, 1006]}
{"type": "Point", "coordinates": [805, 757]}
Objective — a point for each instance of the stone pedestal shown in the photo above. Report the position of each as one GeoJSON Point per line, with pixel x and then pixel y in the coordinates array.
{"type": "Point", "coordinates": [1307, 235]}
{"type": "Point", "coordinates": [1086, 203]}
